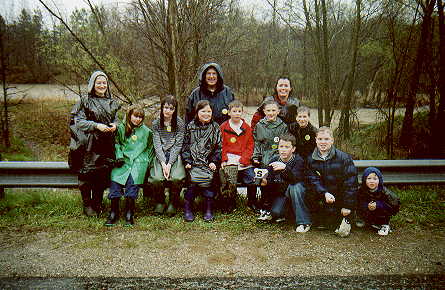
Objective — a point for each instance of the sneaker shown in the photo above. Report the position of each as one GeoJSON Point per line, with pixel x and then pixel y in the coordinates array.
{"type": "Point", "coordinates": [360, 223]}
{"type": "Point", "coordinates": [264, 216]}
{"type": "Point", "coordinates": [303, 228]}
{"type": "Point", "coordinates": [344, 229]}
{"type": "Point", "coordinates": [384, 230]}
{"type": "Point", "coordinates": [280, 219]}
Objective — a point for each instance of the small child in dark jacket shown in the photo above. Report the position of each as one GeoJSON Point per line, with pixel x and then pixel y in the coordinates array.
{"type": "Point", "coordinates": [284, 179]}
{"type": "Point", "coordinates": [376, 203]}
{"type": "Point", "coordinates": [304, 132]}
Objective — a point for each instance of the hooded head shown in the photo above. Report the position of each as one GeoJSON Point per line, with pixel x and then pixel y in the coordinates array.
{"type": "Point", "coordinates": [92, 80]}
{"type": "Point", "coordinates": [377, 172]}
{"type": "Point", "coordinates": [202, 75]}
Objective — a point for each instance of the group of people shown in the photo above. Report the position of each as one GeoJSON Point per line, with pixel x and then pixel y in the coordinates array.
{"type": "Point", "coordinates": [295, 165]}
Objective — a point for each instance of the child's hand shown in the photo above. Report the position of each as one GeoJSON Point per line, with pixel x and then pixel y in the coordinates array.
{"type": "Point", "coordinates": [345, 211]}
{"type": "Point", "coordinates": [212, 166]}
{"type": "Point", "coordinates": [102, 127]}
{"type": "Point", "coordinates": [263, 182]}
{"type": "Point", "coordinates": [372, 205]}
{"type": "Point", "coordinates": [329, 197]}
{"type": "Point", "coordinates": [112, 127]}
{"type": "Point", "coordinates": [166, 170]}
{"type": "Point", "coordinates": [188, 166]}
{"type": "Point", "coordinates": [277, 165]}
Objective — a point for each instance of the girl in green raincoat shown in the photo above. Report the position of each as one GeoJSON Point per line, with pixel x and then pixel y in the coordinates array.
{"type": "Point", "coordinates": [134, 154]}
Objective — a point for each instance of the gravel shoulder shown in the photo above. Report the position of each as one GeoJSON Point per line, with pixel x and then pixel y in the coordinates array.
{"type": "Point", "coordinates": [123, 252]}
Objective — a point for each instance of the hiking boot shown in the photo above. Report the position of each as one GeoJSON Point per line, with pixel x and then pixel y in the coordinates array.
{"type": "Point", "coordinates": [188, 213]}
{"type": "Point", "coordinates": [114, 213]}
{"type": "Point", "coordinates": [344, 229]}
{"type": "Point", "coordinates": [384, 230]}
{"type": "Point", "coordinates": [303, 228]}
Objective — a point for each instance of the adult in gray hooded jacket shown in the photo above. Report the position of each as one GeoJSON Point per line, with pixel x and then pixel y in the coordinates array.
{"type": "Point", "coordinates": [93, 123]}
{"type": "Point", "coordinates": [211, 88]}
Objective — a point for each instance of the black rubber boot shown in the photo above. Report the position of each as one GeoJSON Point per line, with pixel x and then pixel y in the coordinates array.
{"type": "Point", "coordinates": [252, 201]}
{"type": "Point", "coordinates": [208, 212]}
{"type": "Point", "coordinates": [85, 193]}
{"type": "Point", "coordinates": [159, 198]}
{"type": "Point", "coordinates": [188, 213]}
{"type": "Point", "coordinates": [96, 202]}
{"type": "Point", "coordinates": [173, 200]}
{"type": "Point", "coordinates": [114, 213]}
{"type": "Point", "coordinates": [130, 204]}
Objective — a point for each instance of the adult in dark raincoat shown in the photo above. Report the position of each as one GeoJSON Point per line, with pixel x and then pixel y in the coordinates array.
{"type": "Point", "coordinates": [211, 88]}
{"type": "Point", "coordinates": [286, 102]}
{"type": "Point", "coordinates": [94, 121]}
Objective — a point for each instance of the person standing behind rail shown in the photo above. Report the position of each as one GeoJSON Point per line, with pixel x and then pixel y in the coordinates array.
{"type": "Point", "coordinates": [94, 122]}
{"type": "Point", "coordinates": [287, 104]}
{"type": "Point", "coordinates": [211, 88]}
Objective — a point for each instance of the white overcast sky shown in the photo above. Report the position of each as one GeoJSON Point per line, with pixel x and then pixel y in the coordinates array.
{"type": "Point", "coordinates": [10, 8]}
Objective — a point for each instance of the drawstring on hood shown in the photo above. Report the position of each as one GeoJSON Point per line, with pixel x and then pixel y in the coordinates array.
{"type": "Point", "coordinates": [92, 80]}
{"type": "Point", "coordinates": [377, 172]}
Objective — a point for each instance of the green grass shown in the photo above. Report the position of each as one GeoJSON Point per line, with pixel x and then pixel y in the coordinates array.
{"type": "Point", "coordinates": [57, 210]}
{"type": "Point", "coordinates": [421, 205]}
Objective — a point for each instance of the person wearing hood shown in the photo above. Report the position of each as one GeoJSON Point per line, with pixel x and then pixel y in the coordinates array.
{"type": "Point", "coordinates": [211, 88]}
{"type": "Point", "coordinates": [332, 177]}
{"type": "Point", "coordinates": [376, 203]}
{"type": "Point", "coordinates": [93, 124]}
{"type": "Point", "coordinates": [283, 97]}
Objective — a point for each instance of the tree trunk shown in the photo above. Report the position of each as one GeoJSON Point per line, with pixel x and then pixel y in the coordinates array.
{"type": "Point", "coordinates": [345, 122]}
{"type": "Point", "coordinates": [406, 135]}
{"type": "Point", "coordinates": [173, 74]}
{"type": "Point", "coordinates": [5, 115]}
{"type": "Point", "coordinates": [326, 66]}
{"type": "Point", "coordinates": [438, 144]}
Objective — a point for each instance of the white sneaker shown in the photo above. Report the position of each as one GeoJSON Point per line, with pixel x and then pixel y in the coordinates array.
{"type": "Point", "coordinates": [384, 230]}
{"type": "Point", "coordinates": [344, 229]}
{"type": "Point", "coordinates": [303, 228]}
{"type": "Point", "coordinates": [265, 216]}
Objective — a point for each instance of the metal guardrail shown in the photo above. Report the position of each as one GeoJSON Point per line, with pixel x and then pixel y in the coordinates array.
{"type": "Point", "coordinates": [58, 175]}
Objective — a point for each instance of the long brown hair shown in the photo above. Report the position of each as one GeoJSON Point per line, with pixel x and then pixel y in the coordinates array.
{"type": "Point", "coordinates": [171, 100]}
{"type": "Point", "coordinates": [133, 110]}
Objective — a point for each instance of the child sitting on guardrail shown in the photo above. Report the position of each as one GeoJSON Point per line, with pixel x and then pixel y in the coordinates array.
{"type": "Point", "coordinates": [134, 153]}
{"type": "Point", "coordinates": [376, 203]}
{"type": "Point", "coordinates": [237, 150]}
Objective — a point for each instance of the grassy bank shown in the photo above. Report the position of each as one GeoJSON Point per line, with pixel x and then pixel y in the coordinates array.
{"type": "Point", "coordinates": [422, 206]}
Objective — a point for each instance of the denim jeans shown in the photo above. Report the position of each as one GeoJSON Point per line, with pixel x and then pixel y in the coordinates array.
{"type": "Point", "coordinates": [131, 189]}
{"type": "Point", "coordinates": [296, 193]}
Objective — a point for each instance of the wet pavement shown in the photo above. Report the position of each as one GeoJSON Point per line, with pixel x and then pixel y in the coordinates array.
{"type": "Point", "coordinates": [315, 282]}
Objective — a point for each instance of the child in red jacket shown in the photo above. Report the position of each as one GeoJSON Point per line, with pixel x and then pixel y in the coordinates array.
{"type": "Point", "coordinates": [237, 149]}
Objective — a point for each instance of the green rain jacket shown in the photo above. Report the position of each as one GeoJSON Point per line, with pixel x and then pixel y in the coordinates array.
{"type": "Point", "coordinates": [266, 135]}
{"type": "Point", "coordinates": [137, 151]}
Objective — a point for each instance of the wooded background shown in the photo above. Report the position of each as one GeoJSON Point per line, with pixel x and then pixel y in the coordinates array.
{"type": "Point", "coordinates": [340, 55]}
